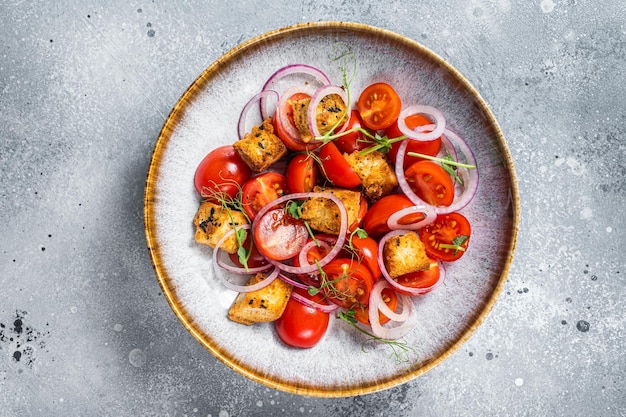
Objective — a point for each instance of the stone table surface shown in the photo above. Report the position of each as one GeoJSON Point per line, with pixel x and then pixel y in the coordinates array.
{"type": "Point", "coordinates": [85, 88]}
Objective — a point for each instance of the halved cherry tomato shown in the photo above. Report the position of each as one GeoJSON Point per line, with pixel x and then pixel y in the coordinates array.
{"type": "Point", "coordinates": [431, 183]}
{"type": "Point", "coordinates": [355, 140]}
{"type": "Point", "coordinates": [315, 254]}
{"type": "Point", "coordinates": [348, 283]}
{"type": "Point", "coordinates": [221, 171]}
{"type": "Point", "coordinates": [447, 237]}
{"type": "Point", "coordinates": [367, 253]}
{"type": "Point", "coordinates": [375, 220]}
{"type": "Point", "coordinates": [302, 174]}
{"type": "Point", "coordinates": [336, 168]}
{"type": "Point", "coordinates": [261, 190]}
{"type": "Point", "coordinates": [279, 236]}
{"type": "Point", "coordinates": [390, 297]}
{"type": "Point", "coordinates": [430, 147]}
{"type": "Point", "coordinates": [300, 325]}
{"type": "Point", "coordinates": [421, 279]}
{"type": "Point", "coordinates": [254, 260]}
{"type": "Point", "coordinates": [379, 106]}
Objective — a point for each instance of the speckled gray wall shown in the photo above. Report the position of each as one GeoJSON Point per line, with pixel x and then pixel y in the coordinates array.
{"type": "Point", "coordinates": [85, 88]}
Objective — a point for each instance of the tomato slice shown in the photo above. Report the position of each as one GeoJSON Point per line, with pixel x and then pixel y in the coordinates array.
{"type": "Point", "coordinates": [375, 220]}
{"type": "Point", "coordinates": [279, 236]}
{"type": "Point", "coordinates": [300, 325]}
{"type": "Point", "coordinates": [421, 279]}
{"type": "Point", "coordinates": [302, 174]}
{"type": "Point", "coordinates": [429, 147]}
{"type": "Point", "coordinates": [348, 283]}
{"type": "Point", "coordinates": [261, 190]}
{"type": "Point", "coordinates": [447, 237]}
{"type": "Point", "coordinates": [379, 106]}
{"type": "Point", "coordinates": [221, 171]}
{"type": "Point", "coordinates": [354, 140]}
{"type": "Point", "coordinates": [390, 297]}
{"type": "Point", "coordinates": [336, 168]}
{"type": "Point", "coordinates": [366, 250]}
{"type": "Point", "coordinates": [431, 183]}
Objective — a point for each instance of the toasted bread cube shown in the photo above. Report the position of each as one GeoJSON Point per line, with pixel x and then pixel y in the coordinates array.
{"type": "Point", "coordinates": [212, 222]}
{"type": "Point", "coordinates": [329, 112]}
{"type": "Point", "coordinates": [377, 175]}
{"type": "Point", "coordinates": [260, 148]}
{"type": "Point", "coordinates": [404, 254]}
{"type": "Point", "coordinates": [264, 305]}
{"type": "Point", "coordinates": [323, 215]}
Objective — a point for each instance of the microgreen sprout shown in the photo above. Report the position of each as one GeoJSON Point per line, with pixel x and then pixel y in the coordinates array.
{"type": "Point", "coordinates": [457, 244]}
{"type": "Point", "coordinates": [294, 209]}
{"type": "Point", "coordinates": [401, 352]}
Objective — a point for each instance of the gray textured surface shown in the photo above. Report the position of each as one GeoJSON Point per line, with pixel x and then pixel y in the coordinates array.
{"type": "Point", "coordinates": [84, 90]}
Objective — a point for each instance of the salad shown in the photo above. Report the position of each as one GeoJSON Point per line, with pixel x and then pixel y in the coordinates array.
{"type": "Point", "coordinates": [330, 205]}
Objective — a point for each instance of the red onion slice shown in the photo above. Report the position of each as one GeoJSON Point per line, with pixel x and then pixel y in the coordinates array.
{"type": "Point", "coordinates": [395, 284]}
{"type": "Point", "coordinates": [315, 101]}
{"type": "Point", "coordinates": [326, 308]}
{"type": "Point", "coordinates": [281, 114]}
{"type": "Point", "coordinates": [307, 70]}
{"type": "Point", "coordinates": [377, 302]}
{"type": "Point", "coordinates": [343, 228]}
{"type": "Point", "coordinates": [397, 329]}
{"type": "Point", "coordinates": [426, 209]}
{"type": "Point", "coordinates": [243, 117]}
{"type": "Point", "coordinates": [423, 133]}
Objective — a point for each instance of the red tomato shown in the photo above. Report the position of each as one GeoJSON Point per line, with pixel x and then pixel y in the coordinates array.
{"type": "Point", "coordinates": [254, 260]}
{"type": "Point", "coordinates": [430, 147]}
{"type": "Point", "coordinates": [279, 236]}
{"type": "Point", "coordinates": [391, 299]}
{"type": "Point", "coordinates": [261, 190]}
{"type": "Point", "coordinates": [379, 106]}
{"type": "Point", "coordinates": [367, 253]}
{"type": "Point", "coordinates": [352, 141]}
{"type": "Point", "coordinates": [349, 283]}
{"type": "Point", "coordinates": [300, 325]}
{"type": "Point", "coordinates": [315, 254]}
{"type": "Point", "coordinates": [421, 279]}
{"type": "Point", "coordinates": [221, 171]}
{"type": "Point", "coordinates": [302, 174]}
{"type": "Point", "coordinates": [431, 183]}
{"type": "Point", "coordinates": [336, 168]}
{"type": "Point", "coordinates": [375, 220]}
{"type": "Point", "coordinates": [447, 237]}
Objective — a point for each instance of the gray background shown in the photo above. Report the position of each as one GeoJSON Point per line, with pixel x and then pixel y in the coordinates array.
{"type": "Point", "coordinates": [84, 90]}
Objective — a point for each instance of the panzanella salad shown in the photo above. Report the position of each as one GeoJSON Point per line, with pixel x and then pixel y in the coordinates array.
{"type": "Point", "coordinates": [334, 206]}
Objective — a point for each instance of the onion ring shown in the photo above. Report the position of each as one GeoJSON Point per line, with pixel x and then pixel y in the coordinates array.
{"type": "Point", "coordinates": [326, 308]}
{"type": "Point", "coordinates": [243, 116]}
{"type": "Point", "coordinates": [422, 133]}
{"type": "Point", "coordinates": [427, 209]}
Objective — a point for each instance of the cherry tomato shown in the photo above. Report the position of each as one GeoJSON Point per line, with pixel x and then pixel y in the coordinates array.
{"type": "Point", "coordinates": [315, 254]}
{"type": "Point", "coordinates": [336, 168]}
{"type": "Point", "coordinates": [421, 279]}
{"type": "Point", "coordinates": [431, 183]}
{"type": "Point", "coordinates": [279, 236]}
{"type": "Point", "coordinates": [447, 237]}
{"type": "Point", "coordinates": [349, 283]}
{"type": "Point", "coordinates": [254, 260]}
{"type": "Point", "coordinates": [367, 253]}
{"type": "Point", "coordinates": [302, 174]}
{"type": "Point", "coordinates": [391, 299]}
{"type": "Point", "coordinates": [221, 171]}
{"type": "Point", "coordinates": [353, 141]}
{"type": "Point", "coordinates": [375, 220]}
{"type": "Point", "coordinates": [379, 106]}
{"type": "Point", "coordinates": [430, 147]}
{"type": "Point", "coordinates": [300, 325]}
{"type": "Point", "coordinates": [261, 190]}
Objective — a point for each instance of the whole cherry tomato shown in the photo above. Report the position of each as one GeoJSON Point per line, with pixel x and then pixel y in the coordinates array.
{"type": "Point", "coordinates": [300, 325]}
{"type": "Point", "coordinates": [221, 171]}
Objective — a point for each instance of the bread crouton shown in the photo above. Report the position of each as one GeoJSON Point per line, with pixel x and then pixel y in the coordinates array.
{"type": "Point", "coordinates": [378, 177]}
{"type": "Point", "coordinates": [329, 112]}
{"type": "Point", "coordinates": [212, 222]}
{"type": "Point", "coordinates": [260, 148]}
{"type": "Point", "coordinates": [404, 254]}
{"type": "Point", "coordinates": [264, 305]}
{"type": "Point", "coordinates": [322, 214]}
